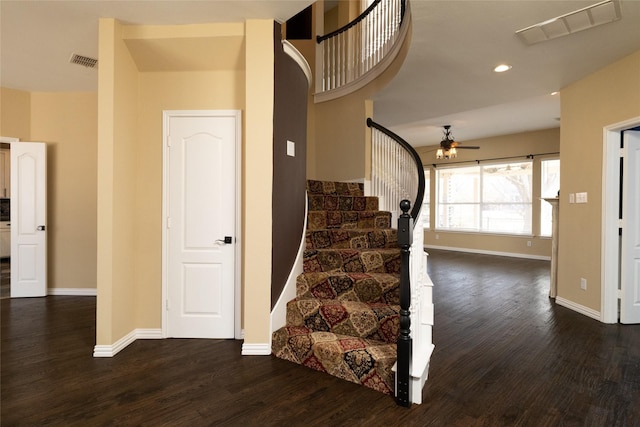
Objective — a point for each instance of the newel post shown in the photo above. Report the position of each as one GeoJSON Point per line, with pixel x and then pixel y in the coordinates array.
{"type": "Point", "coordinates": [405, 237]}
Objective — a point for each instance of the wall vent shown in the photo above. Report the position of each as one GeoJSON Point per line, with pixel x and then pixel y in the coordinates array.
{"type": "Point", "coordinates": [85, 61]}
{"type": "Point", "coordinates": [579, 20]}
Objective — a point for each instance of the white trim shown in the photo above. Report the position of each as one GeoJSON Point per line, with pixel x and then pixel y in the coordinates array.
{"type": "Point", "coordinates": [294, 53]}
{"type": "Point", "coordinates": [256, 349]}
{"type": "Point", "coordinates": [589, 312]}
{"type": "Point", "coordinates": [418, 372]}
{"type": "Point", "coordinates": [85, 292]}
{"type": "Point", "coordinates": [122, 343]}
{"type": "Point", "coordinates": [9, 139]}
{"type": "Point", "coordinates": [148, 333]}
{"type": "Point", "coordinates": [496, 253]}
{"type": "Point", "coordinates": [166, 114]}
{"type": "Point", "coordinates": [609, 252]}
{"type": "Point", "coordinates": [279, 312]}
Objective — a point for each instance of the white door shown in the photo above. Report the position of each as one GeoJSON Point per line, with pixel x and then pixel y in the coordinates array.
{"type": "Point", "coordinates": [630, 254]}
{"type": "Point", "coordinates": [200, 239]}
{"type": "Point", "coordinates": [28, 219]}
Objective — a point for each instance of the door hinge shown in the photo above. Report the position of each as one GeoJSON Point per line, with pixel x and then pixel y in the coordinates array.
{"type": "Point", "coordinates": [168, 140]}
{"type": "Point", "coordinates": [166, 305]}
{"type": "Point", "coordinates": [168, 222]}
{"type": "Point", "coordinates": [620, 223]}
{"type": "Point", "coordinates": [623, 152]}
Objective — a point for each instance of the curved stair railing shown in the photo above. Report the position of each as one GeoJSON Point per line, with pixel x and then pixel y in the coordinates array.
{"type": "Point", "coordinates": [397, 178]}
{"type": "Point", "coordinates": [352, 52]}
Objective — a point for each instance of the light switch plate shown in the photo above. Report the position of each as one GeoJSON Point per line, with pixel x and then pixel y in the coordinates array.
{"type": "Point", "coordinates": [581, 197]}
{"type": "Point", "coordinates": [291, 148]}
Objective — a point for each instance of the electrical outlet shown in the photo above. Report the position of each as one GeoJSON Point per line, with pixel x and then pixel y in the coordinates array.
{"type": "Point", "coordinates": [529, 243]}
{"type": "Point", "coordinates": [583, 284]}
{"type": "Point", "coordinates": [572, 198]}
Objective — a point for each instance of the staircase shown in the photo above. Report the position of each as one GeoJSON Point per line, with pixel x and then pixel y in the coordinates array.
{"type": "Point", "coordinates": [344, 319]}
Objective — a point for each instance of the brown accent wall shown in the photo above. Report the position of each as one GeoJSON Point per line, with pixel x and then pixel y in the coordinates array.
{"type": "Point", "coordinates": [289, 173]}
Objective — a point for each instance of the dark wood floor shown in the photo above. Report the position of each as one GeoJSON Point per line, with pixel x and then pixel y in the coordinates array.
{"type": "Point", "coordinates": [505, 355]}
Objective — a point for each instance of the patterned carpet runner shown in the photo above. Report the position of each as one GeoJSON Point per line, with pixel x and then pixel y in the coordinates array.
{"type": "Point", "coordinates": [344, 319]}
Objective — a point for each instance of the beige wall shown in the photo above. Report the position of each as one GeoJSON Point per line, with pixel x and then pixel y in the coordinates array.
{"type": "Point", "coordinates": [606, 97]}
{"type": "Point", "coordinates": [131, 106]}
{"type": "Point", "coordinates": [544, 143]}
{"type": "Point", "coordinates": [258, 164]}
{"type": "Point", "coordinates": [15, 114]}
{"type": "Point", "coordinates": [67, 122]}
{"type": "Point", "coordinates": [160, 91]}
{"type": "Point", "coordinates": [117, 137]}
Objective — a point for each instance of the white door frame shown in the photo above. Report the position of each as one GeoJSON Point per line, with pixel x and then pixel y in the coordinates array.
{"type": "Point", "coordinates": [166, 116]}
{"type": "Point", "coordinates": [610, 251]}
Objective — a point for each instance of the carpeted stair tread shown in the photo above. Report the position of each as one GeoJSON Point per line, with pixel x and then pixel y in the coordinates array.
{"type": "Point", "coordinates": [352, 260]}
{"type": "Point", "coordinates": [365, 287]}
{"type": "Point", "coordinates": [359, 360]}
{"type": "Point", "coordinates": [321, 220]}
{"type": "Point", "coordinates": [344, 319]}
{"type": "Point", "coordinates": [351, 239]}
{"type": "Point", "coordinates": [334, 187]}
{"type": "Point", "coordinates": [376, 321]}
{"type": "Point", "coordinates": [318, 202]}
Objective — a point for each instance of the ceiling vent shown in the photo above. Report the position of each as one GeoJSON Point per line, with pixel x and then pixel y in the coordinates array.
{"type": "Point", "coordinates": [582, 19]}
{"type": "Point", "coordinates": [85, 61]}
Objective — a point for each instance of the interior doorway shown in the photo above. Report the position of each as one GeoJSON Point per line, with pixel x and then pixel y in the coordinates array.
{"type": "Point", "coordinates": [612, 191]}
{"type": "Point", "coordinates": [23, 187]}
{"type": "Point", "coordinates": [5, 218]}
{"type": "Point", "coordinates": [201, 244]}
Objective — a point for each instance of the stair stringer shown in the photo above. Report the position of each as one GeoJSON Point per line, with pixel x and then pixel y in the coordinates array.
{"type": "Point", "coordinates": [279, 311]}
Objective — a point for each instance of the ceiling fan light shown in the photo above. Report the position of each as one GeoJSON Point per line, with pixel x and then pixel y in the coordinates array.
{"type": "Point", "coordinates": [453, 153]}
{"type": "Point", "coordinates": [439, 154]}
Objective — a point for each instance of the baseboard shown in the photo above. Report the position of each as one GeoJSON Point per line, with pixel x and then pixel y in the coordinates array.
{"type": "Point", "coordinates": [122, 343]}
{"type": "Point", "coordinates": [483, 252]}
{"type": "Point", "coordinates": [86, 292]}
{"type": "Point", "coordinates": [256, 349]}
{"type": "Point", "coordinates": [589, 312]}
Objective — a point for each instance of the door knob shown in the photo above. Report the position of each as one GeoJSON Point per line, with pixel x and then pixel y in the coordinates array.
{"type": "Point", "coordinates": [227, 240]}
{"type": "Point", "coordinates": [41, 228]}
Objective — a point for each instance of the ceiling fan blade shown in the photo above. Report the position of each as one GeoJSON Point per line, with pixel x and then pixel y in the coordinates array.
{"type": "Point", "coordinates": [467, 147]}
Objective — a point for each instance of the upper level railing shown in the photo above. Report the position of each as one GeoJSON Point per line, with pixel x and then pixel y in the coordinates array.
{"type": "Point", "coordinates": [350, 52]}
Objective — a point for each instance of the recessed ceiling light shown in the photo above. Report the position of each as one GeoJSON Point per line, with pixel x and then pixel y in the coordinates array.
{"type": "Point", "coordinates": [554, 93]}
{"type": "Point", "coordinates": [502, 68]}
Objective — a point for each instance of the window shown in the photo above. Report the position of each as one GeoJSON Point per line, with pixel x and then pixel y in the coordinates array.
{"type": "Point", "coordinates": [489, 198]}
{"type": "Point", "coordinates": [550, 186]}
{"type": "Point", "coordinates": [426, 204]}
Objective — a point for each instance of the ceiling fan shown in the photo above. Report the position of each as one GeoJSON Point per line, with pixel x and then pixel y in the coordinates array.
{"type": "Point", "coordinates": [449, 147]}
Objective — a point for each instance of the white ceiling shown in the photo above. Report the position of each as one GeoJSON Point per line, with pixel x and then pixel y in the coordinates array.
{"type": "Point", "coordinates": [447, 76]}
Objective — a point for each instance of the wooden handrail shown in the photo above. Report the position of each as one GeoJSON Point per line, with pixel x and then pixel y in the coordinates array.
{"type": "Point", "coordinates": [344, 28]}
{"type": "Point", "coordinates": [417, 203]}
